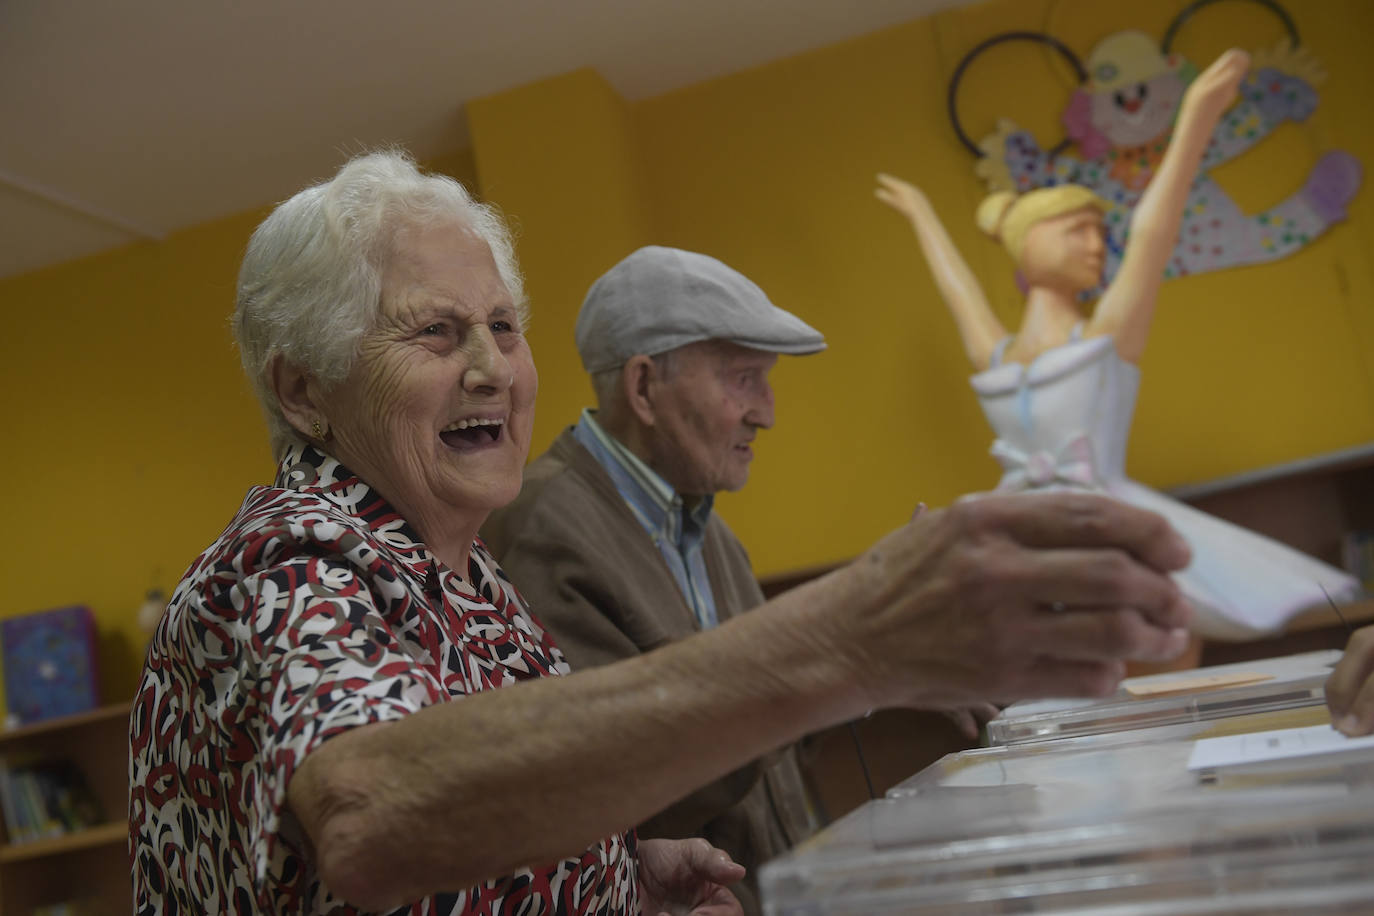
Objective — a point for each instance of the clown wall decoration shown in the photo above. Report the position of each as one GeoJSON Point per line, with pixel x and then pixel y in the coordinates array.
{"type": "Point", "coordinates": [1121, 119]}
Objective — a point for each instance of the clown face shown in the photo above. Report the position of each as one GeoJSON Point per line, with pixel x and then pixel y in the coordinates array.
{"type": "Point", "coordinates": [1133, 114]}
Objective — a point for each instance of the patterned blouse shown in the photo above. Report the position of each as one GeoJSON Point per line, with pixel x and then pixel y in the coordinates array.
{"type": "Point", "coordinates": [316, 611]}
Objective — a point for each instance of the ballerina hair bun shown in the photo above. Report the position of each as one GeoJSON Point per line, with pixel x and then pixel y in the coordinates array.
{"type": "Point", "coordinates": [992, 211]}
{"type": "Point", "coordinates": [1008, 217]}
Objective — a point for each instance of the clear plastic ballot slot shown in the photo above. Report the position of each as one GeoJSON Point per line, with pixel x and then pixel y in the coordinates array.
{"type": "Point", "coordinates": [1125, 829]}
{"type": "Point", "coordinates": [1199, 695]}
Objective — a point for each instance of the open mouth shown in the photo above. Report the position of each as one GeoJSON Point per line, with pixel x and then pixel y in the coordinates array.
{"type": "Point", "coordinates": [472, 433]}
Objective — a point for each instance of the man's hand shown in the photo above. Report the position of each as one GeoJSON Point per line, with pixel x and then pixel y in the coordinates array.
{"type": "Point", "coordinates": [1350, 688]}
{"type": "Point", "coordinates": [686, 878]}
{"type": "Point", "coordinates": [1003, 597]}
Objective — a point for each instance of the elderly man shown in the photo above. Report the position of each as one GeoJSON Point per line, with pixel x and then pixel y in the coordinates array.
{"type": "Point", "coordinates": [613, 539]}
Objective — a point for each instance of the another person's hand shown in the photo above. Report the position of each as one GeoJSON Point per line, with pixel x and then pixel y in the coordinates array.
{"type": "Point", "coordinates": [1002, 597]}
{"type": "Point", "coordinates": [971, 719]}
{"type": "Point", "coordinates": [1350, 688]}
{"type": "Point", "coordinates": [687, 878]}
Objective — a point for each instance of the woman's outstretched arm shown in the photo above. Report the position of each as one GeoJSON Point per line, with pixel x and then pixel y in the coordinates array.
{"type": "Point", "coordinates": [978, 326]}
{"type": "Point", "coordinates": [1127, 307]}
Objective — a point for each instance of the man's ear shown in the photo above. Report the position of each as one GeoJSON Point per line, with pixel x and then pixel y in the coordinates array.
{"type": "Point", "coordinates": [295, 391]}
{"type": "Point", "coordinates": [637, 379]}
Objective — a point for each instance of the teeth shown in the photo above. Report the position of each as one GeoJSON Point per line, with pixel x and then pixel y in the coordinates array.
{"type": "Point", "coordinates": [472, 424]}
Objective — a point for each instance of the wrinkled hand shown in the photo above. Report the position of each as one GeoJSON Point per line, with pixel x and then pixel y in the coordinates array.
{"type": "Point", "coordinates": [1004, 597]}
{"type": "Point", "coordinates": [1350, 688]}
{"type": "Point", "coordinates": [900, 195]}
{"type": "Point", "coordinates": [686, 878]}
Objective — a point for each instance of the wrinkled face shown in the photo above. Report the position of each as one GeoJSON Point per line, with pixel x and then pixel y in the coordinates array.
{"type": "Point", "coordinates": [437, 411]}
{"type": "Point", "coordinates": [1137, 113]}
{"type": "Point", "coordinates": [715, 399]}
{"type": "Point", "coordinates": [1066, 252]}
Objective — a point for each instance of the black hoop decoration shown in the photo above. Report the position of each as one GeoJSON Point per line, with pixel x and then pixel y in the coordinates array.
{"type": "Point", "coordinates": [1040, 37]}
{"type": "Point", "coordinates": [1187, 12]}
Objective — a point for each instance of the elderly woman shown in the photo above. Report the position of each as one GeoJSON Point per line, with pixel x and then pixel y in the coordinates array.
{"type": "Point", "coordinates": [346, 707]}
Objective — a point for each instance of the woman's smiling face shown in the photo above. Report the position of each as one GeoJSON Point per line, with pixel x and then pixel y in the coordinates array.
{"type": "Point", "coordinates": [437, 412]}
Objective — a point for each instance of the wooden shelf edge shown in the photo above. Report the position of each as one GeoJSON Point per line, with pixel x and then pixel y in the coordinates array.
{"type": "Point", "coordinates": [90, 716]}
{"type": "Point", "coordinates": [1325, 463]}
{"type": "Point", "coordinates": [116, 831]}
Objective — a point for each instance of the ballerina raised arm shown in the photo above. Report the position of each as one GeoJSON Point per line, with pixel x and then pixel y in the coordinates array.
{"type": "Point", "coordinates": [1127, 306]}
{"type": "Point", "coordinates": [978, 325]}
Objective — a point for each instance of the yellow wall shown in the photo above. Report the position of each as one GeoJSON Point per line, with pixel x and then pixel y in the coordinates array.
{"type": "Point", "coordinates": [559, 158]}
{"type": "Point", "coordinates": [131, 434]}
{"type": "Point", "coordinates": [133, 437]}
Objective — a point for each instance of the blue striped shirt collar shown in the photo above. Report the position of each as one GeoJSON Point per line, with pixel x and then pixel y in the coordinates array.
{"type": "Point", "coordinates": [659, 508]}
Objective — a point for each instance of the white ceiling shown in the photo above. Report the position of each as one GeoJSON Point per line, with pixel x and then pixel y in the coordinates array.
{"type": "Point", "coordinates": [129, 119]}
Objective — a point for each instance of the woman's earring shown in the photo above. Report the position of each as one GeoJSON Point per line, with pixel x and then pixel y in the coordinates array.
{"type": "Point", "coordinates": [316, 429]}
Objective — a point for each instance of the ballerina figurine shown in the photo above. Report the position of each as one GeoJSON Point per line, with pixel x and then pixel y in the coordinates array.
{"type": "Point", "coordinates": [1059, 393]}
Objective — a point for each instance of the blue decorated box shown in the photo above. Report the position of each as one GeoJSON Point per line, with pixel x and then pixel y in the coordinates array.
{"type": "Point", "coordinates": [50, 663]}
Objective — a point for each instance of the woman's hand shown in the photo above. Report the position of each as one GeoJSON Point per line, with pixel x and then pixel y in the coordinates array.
{"type": "Point", "coordinates": [686, 878]}
{"type": "Point", "coordinates": [1350, 689]}
{"type": "Point", "coordinates": [901, 196]}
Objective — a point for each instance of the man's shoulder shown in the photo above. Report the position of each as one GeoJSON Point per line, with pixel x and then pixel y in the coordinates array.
{"type": "Point", "coordinates": [558, 491]}
{"type": "Point", "coordinates": [559, 461]}
{"type": "Point", "coordinates": [719, 532]}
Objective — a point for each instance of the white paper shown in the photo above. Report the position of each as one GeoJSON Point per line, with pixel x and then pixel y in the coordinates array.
{"type": "Point", "coordinates": [1314, 741]}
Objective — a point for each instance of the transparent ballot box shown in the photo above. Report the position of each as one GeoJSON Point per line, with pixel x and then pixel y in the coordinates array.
{"type": "Point", "coordinates": [1103, 830]}
{"type": "Point", "coordinates": [1197, 695]}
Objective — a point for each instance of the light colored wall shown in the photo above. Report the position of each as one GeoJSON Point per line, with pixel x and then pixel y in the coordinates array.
{"type": "Point", "coordinates": [132, 436]}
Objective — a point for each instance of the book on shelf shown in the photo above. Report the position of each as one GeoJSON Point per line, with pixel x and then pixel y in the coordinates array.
{"type": "Point", "coordinates": [46, 799]}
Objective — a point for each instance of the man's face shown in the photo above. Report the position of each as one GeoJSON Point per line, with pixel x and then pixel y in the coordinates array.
{"type": "Point", "coordinates": [1137, 113]}
{"type": "Point", "coordinates": [708, 406]}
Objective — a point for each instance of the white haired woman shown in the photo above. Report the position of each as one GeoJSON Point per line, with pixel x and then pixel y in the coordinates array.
{"type": "Point", "coordinates": [319, 727]}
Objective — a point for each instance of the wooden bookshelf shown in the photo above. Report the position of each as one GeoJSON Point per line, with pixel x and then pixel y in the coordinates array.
{"type": "Point", "coordinates": [92, 837]}
{"type": "Point", "coordinates": [88, 868]}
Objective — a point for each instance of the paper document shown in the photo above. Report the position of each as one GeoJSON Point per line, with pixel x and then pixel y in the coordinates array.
{"type": "Point", "coordinates": [1198, 684]}
{"type": "Point", "coordinates": [1313, 741]}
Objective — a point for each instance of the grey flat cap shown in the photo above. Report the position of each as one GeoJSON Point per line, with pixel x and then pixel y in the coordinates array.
{"type": "Point", "coordinates": [659, 299]}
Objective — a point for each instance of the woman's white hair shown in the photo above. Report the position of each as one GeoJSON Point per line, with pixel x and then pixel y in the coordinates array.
{"type": "Point", "coordinates": [311, 281]}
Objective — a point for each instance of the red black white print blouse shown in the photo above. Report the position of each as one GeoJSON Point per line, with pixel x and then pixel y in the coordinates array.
{"type": "Point", "coordinates": [316, 611]}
